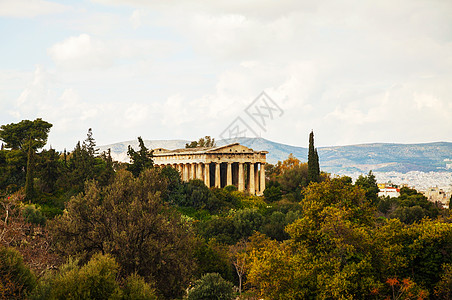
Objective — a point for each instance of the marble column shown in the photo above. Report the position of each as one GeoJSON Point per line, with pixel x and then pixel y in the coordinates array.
{"type": "Point", "coordinates": [229, 174]}
{"type": "Point", "coordinates": [199, 172]}
{"type": "Point", "coordinates": [235, 174]}
{"type": "Point", "coordinates": [262, 177]}
{"type": "Point", "coordinates": [207, 174]}
{"type": "Point", "coordinates": [256, 177]}
{"type": "Point", "coordinates": [180, 168]}
{"type": "Point", "coordinates": [217, 175]}
{"type": "Point", "coordinates": [241, 178]}
{"type": "Point", "coordinates": [185, 173]}
{"type": "Point", "coordinates": [251, 180]}
{"type": "Point", "coordinates": [192, 171]}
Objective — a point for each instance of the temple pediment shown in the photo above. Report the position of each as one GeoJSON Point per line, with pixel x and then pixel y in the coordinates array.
{"type": "Point", "coordinates": [231, 148]}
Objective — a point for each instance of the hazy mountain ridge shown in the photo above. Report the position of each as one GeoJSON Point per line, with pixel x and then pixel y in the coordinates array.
{"type": "Point", "coordinates": [378, 157]}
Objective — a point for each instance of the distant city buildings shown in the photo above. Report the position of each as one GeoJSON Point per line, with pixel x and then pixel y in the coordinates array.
{"type": "Point", "coordinates": [448, 163]}
{"type": "Point", "coordinates": [387, 190]}
{"type": "Point", "coordinates": [421, 181]}
{"type": "Point", "coordinates": [436, 194]}
{"type": "Point", "coordinates": [436, 186]}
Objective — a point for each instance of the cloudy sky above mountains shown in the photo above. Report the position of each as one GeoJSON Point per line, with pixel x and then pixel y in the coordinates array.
{"type": "Point", "coordinates": [353, 71]}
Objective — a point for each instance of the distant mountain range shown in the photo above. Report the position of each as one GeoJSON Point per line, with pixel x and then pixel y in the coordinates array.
{"type": "Point", "coordinates": [428, 157]}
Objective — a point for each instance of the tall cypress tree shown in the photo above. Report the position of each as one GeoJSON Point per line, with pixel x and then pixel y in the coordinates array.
{"type": "Point", "coordinates": [313, 161]}
{"type": "Point", "coordinates": [29, 181]}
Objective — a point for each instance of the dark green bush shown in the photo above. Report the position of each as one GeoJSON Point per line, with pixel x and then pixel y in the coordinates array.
{"type": "Point", "coordinates": [211, 286]}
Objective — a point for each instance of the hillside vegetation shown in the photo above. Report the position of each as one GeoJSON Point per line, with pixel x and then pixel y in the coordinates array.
{"type": "Point", "coordinates": [79, 225]}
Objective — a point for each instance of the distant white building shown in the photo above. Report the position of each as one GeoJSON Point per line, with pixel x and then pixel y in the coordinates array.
{"type": "Point", "coordinates": [436, 194]}
{"type": "Point", "coordinates": [389, 192]}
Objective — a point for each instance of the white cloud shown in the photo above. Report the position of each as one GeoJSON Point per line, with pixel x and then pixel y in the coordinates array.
{"type": "Point", "coordinates": [426, 101]}
{"type": "Point", "coordinates": [29, 8]}
{"type": "Point", "coordinates": [136, 17]}
{"type": "Point", "coordinates": [81, 52]}
{"type": "Point", "coordinates": [257, 8]}
{"type": "Point", "coordinates": [351, 71]}
{"type": "Point", "coordinates": [136, 115]}
{"type": "Point", "coordinates": [87, 52]}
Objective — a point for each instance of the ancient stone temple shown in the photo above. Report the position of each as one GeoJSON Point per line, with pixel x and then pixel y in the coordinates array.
{"type": "Point", "coordinates": [232, 164]}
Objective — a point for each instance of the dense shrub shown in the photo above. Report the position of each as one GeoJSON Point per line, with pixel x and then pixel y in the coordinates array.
{"type": "Point", "coordinates": [211, 286]}
{"type": "Point", "coordinates": [16, 279]}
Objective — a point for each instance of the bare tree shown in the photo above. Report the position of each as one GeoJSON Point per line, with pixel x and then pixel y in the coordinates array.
{"type": "Point", "coordinates": [238, 256]}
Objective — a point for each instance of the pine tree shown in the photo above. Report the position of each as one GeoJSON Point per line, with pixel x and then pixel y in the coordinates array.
{"type": "Point", "coordinates": [90, 144]}
{"type": "Point", "coordinates": [27, 136]}
{"type": "Point", "coordinates": [48, 170]}
{"type": "Point", "coordinates": [139, 160]}
{"type": "Point", "coordinates": [108, 171]}
{"type": "Point", "coordinates": [206, 141]}
{"type": "Point", "coordinates": [313, 161]}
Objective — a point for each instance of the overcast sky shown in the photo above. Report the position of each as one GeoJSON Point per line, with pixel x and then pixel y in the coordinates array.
{"type": "Point", "coordinates": [352, 71]}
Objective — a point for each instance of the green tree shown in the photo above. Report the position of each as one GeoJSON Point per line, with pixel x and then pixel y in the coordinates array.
{"type": "Point", "coordinates": [330, 251]}
{"type": "Point", "coordinates": [137, 288]}
{"type": "Point", "coordinates": [90, 144]}
{"type": "Point", "coordinates": [84, 164]}
{"type": "Point", "coordinates": [49, 170]}
{"type": "Point", "coordinates": [212, 257]}
{"type": "Point", "coordinates": [27, 136]}
{"type": "Point", "coordinates": [313, 161]}
{"type": "Point", "coordinates": [443, 289]}
{"type": "Point", "coordinates": [219, 227]}
{"type": "Point", "coordinates": [139, 160]}
{"type": "Point", "coordinates": [16, 279]}
{"type": "Point", "coordinates": [418, 251]}
{"type": "Point", "coordinates": [33, 215]}
{"type": "Point", "coordinates": [12, 170]}
{"type": "Point", "coordinates": [175, 189]}
{"type": "Point", "coordinates": [410, 207]}
{"type": "Point", "coordinates": [199, 196]}
{"type": "Point", "coordinates": [293, 181]}
{"type": "Point", "coordinates": [246, 221]}
{"type": "Point", "coordinates": [274, 226]}
{"type": "Point", "coordinates": [211, 286]}
{"type": "Point", "coordinates": [98, 279]}
{"type": "Point", "coordinates": [107, 173]}
{"type": "Point", "coordinates": [272, 192]}
{"type": "Point", "coordinates": [369, 184]}
{"type": "Point", "coordinates": [80, 168]}
{"type": "Point", "coordinates": [206, 141]}
{"type": "Point", "coordinates": [95, 280]}
{"type": "Point", "coordinates": [129, 220]}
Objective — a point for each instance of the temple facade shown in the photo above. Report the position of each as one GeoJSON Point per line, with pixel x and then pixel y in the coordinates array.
{"type": "Point", "coordinates": [232, 164]}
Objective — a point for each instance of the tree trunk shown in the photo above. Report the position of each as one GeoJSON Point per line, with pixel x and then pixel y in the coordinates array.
{"type": "Point", "coordinates": [240, 284]}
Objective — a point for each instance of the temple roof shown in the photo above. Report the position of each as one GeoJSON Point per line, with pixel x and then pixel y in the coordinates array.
{"type": "Point", "coordinates": [230, 148]}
